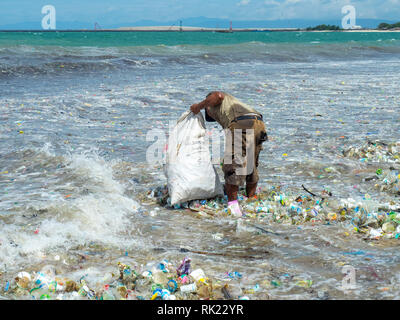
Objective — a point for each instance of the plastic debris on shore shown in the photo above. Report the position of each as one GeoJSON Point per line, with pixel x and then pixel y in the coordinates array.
{"type": "Point", "coordinates": [388, 181]}
{"type": "Point", "coordinates": [155, 281]}
{"type": "Point", "coordinates": [365, 216]}
{"type": "Point", "coordinates": [375, 151]}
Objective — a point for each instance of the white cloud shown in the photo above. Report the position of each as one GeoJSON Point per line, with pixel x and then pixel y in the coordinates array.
{"type": "Point", "coordinates": [329, 9]}
{"type": "Point", "coordinates": [272, 3]}
{"type": "Point", "coordinates": [243, 3]}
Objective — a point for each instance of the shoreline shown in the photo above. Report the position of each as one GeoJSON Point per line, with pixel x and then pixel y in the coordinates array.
{"type": "Point", "coordinates": [199, 29]}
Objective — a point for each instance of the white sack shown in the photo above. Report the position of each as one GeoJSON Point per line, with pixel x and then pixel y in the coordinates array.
{"type": "Point", "coordinates": [188, 168]}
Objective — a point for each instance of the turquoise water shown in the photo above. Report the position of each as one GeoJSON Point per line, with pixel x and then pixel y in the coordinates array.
{"type": "Point", "coordinates": [120, 39]}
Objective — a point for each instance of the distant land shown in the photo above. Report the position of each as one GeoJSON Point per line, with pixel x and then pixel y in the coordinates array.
{"type": "Point", "coordinates": [324, 27]}
{"type": "Point", "coordinates": [197, 22]}
{"type": "Point", "coordinates": [386, 26]}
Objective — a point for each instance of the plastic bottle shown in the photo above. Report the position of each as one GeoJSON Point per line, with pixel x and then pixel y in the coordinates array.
{"type": "Point", "coordinates": [198, 274]}
{"type": "Point", "coordinates": [40, 293]}
{"type": "Point", "coordinates": [189, 288]}
{"type": "Point", "coordinates": [157, 294]}
{"type": "Point", "coordinates": [23, 280]}
{"type": "Point", "coordinates": [41, 280]}
{"type": "Point", "coordinates": [60, 287]}
{"type": "Point", "coordinates": [147, 274]}
{"type": "Point", "coordinates": [295, 208]}
{"type": "Point", "coordinates": [107, 295]}
{"type": "Point", "coordinates": [165, 294]}
{"type": "Point", "coordinates": [160, 278]}
{"type": "Point", "coordinates": [163, 266]}
{"type": "Point", "coordinates": [234, 290]}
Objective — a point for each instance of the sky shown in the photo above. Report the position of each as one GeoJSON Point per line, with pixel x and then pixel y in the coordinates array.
{"type": "Point", "coordinates": [122, 11]}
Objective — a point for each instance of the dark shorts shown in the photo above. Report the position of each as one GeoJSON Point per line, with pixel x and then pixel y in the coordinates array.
{"type": "Point", "coordinates": [241, 162]}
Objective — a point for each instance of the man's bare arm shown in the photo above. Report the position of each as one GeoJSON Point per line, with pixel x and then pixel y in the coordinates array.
{"type": "Point", "coordinates": [214, 99]}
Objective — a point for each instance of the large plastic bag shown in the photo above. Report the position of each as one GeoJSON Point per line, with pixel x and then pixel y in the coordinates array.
{"type": "Point", "coordinates": [189, 170]}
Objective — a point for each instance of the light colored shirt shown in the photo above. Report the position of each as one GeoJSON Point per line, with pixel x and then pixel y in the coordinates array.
{"type": "Point", "coordinates": [229, 109]}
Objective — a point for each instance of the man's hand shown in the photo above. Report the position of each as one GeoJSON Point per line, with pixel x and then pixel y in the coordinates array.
{"type": "Point", "coordinates": [195, 108]}
{"type": "Point", "coordinates": [213, 99]}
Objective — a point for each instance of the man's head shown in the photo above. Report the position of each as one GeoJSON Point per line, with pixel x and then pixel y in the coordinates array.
{"type": "Point", "coordinates": [208, 118]}
{"type": "Point", "coordinates": [216, 96]}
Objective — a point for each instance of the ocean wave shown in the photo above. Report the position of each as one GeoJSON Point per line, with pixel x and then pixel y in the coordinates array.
{"type": "Point", "coordinates": [79, 202]}
{"type": "Point", "coordinates": [7, 68]}
{"type": "Point", "coordinates": [34, 60]}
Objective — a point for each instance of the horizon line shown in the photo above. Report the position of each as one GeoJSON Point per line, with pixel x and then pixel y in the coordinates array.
{"type": "Point", "coordinates": [198, 30]}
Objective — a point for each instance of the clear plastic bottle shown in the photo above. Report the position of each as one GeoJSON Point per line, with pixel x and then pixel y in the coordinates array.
{"type": "Point", "coordinates": [40, 293]}
{"type": "Point", "coordinates": [190, 288]}
{"type": "Point", "coordinates": [107, 295]}
{"type": "Point", "coordinates": [234, 290]}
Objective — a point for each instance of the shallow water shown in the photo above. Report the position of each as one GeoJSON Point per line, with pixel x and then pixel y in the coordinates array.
{"type": "Point", "coordinates": [73, 170]}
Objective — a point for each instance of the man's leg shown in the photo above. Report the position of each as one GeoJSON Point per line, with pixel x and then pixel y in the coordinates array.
{"type": "Point", "coordinates": [231, 164]}
{"type": "Point", "coordinates": [252, 179]}
{"type": "Point", "coordinates": [259, 137]}
{"type": "Point", "coordinates": [251, 189]}
{"type": "Point", "coordinates": [231, 191]}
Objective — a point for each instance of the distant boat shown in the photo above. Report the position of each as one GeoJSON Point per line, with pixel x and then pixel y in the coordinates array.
{"type": "Point", "coordinates": [226, 31]}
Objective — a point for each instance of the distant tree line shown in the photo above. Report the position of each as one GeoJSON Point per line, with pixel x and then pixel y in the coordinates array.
{"type": "Point", "coordinates": [323, 27]}
{"type": "Point", "coordinates": [387, 26]}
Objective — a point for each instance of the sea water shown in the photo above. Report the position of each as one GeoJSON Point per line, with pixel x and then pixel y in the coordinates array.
{"type": "Point", "coordinates": [75, 109]}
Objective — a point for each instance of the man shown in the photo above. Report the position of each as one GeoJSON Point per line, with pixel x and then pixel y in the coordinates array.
{"type": "Point", "coordinates": [237, 118]}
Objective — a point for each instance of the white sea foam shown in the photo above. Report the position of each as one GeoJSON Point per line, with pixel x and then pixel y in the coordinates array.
{"type": "Point", "coordinates": [104, 215]}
